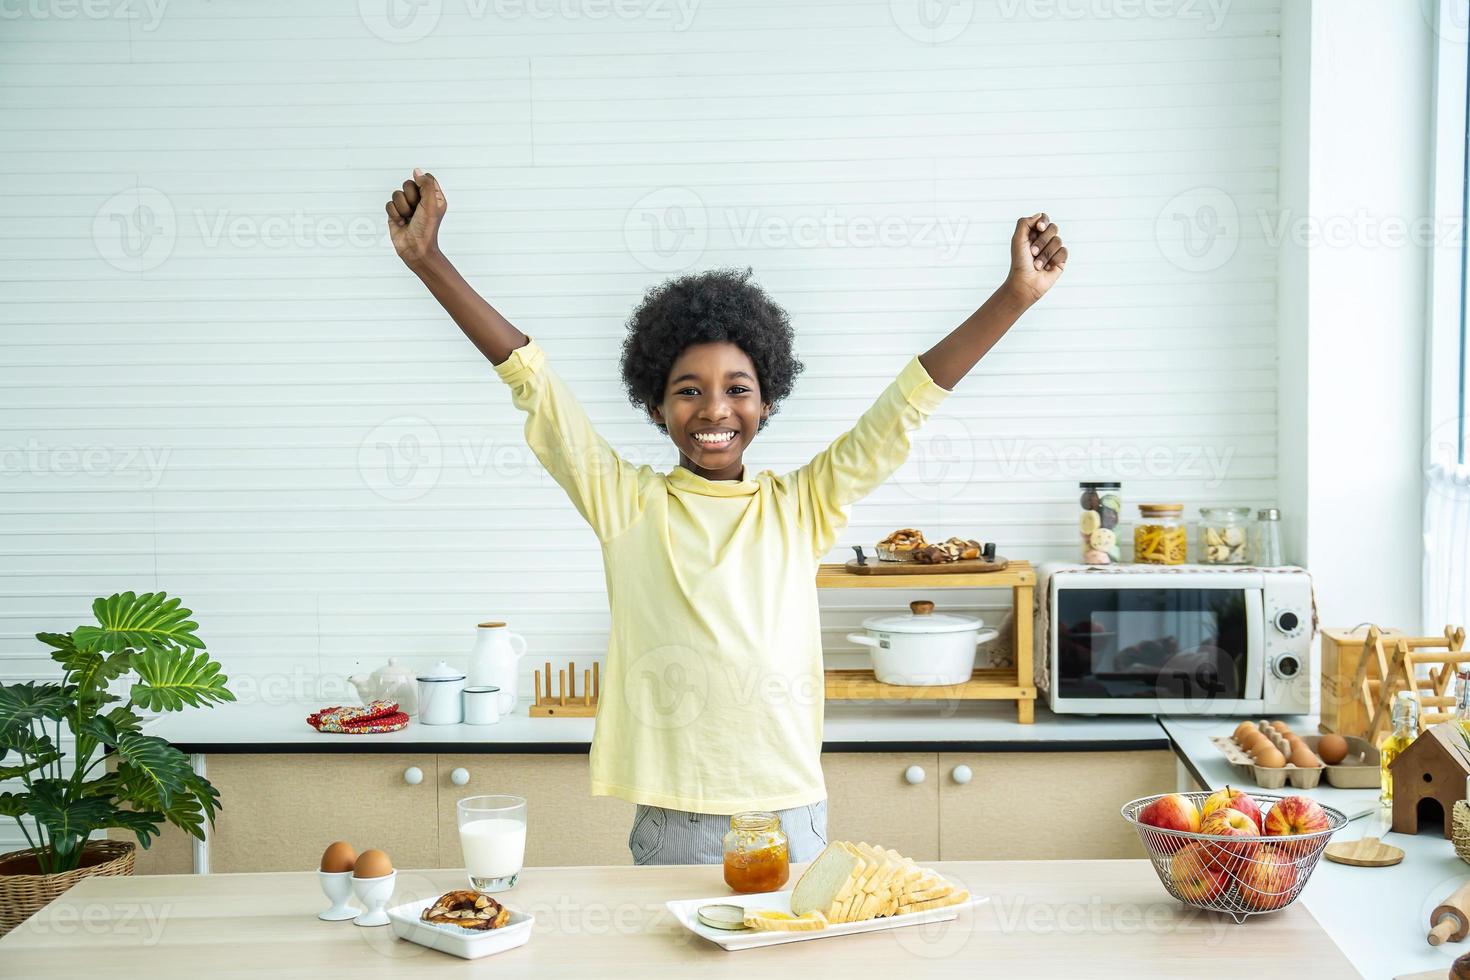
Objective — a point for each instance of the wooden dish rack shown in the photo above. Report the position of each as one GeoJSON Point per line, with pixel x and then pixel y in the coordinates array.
{"type": "Point", "coordinates": [986, 683]}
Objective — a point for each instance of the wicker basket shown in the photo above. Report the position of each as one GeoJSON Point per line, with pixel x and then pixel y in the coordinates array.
{"type": "Point", "coordinates": [23, 894]}
{"type": "Point", "coordinates": [1241, 876]}
{"type": "Point", "coordinates": [1460, 817]}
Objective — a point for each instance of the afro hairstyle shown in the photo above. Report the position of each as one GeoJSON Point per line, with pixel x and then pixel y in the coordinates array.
{"type": "Point", "coordinates": [701, 308]}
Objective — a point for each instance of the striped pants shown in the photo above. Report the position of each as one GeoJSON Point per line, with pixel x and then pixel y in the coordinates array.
{"type": "Point", "coordinates": [662, 836]}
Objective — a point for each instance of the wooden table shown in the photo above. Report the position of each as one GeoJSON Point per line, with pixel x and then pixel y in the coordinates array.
{"type": "Point", "coordinates": [1044, 919]}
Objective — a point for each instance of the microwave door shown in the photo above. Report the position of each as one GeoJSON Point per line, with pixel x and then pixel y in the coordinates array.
{"type": "Point", "coordinates": [1255, 646]}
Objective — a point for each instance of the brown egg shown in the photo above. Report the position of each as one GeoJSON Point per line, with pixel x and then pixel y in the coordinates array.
{"type": "Point", "coordinates": [1281, 727]}
{"type": "Point", "coordinates": [1301, 756]}
{"type": "Point", "coordinates": [1242, 728]}
{"type": "Point", "coordinates": [1269, 757]}
{"type": "Point", "coordinates": [338, 857]}
{"type": "Point", "coordinates": [372, 863]}
{"type": "Point", "coordinates": [1249, 740]}
{"type": "Point", "coordinates": [1332, 748]}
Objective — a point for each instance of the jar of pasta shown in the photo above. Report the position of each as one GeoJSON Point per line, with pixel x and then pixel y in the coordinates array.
{"type": "Point", "coordinates": [757, 853]}
{"type": "Point", "coordinates": [1223, 535]}
{"type": "Point", "coordinates": [1159, 537]}
{"type": "Point", "coordinates": [1098, 523]}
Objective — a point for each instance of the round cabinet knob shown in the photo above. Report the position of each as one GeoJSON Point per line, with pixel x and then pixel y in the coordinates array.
{"type": "Point", "coordinates": [961, 774]}
{"type": "Point", "coordinates": [413, 775]}
{"type": "Point", "coordinates": [1287, 621]}
{"type": "Point", "coordinates": [460, 776]}
{"type": "Point", "coordinates": [913, 775]}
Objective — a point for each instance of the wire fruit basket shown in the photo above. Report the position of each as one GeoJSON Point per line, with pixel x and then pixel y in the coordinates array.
{"type": "Point", "coordinates": [1238, 875]}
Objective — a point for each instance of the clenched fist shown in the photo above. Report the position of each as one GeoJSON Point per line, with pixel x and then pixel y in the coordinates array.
{"type": "Point", "coordinates": [414, 214]}
{"type": "Point", "coordinates": [1037, 256]}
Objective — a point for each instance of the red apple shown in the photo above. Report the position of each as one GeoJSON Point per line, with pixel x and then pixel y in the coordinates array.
{"type": "Point", "coordinates": [1197, 875]}
{"type": "Point", "coordinates": [1229, 822]}
{"type": "Point", "coordinates": [1171, 812]}
{"type": "Point", "coordinates": [1295, 815]}
{"type": "Point", "coordinates": [1266, 879]}
{"type": "Point", "coordinates": [1235, 799]}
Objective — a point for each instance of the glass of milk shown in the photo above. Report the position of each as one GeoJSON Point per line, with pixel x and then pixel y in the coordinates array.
{"type": "Point", "coordinates": [492, 832]}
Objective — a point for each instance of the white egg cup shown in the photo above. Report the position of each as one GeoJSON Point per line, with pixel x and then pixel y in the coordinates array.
{"type": "Point", "coordinates": [337, 886]}
{"type": "Point", "coordinates": [373, 893]}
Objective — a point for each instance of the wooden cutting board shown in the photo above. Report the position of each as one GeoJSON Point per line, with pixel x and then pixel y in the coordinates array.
{"type": "Point", "coordinates": [1369, 852]}
{"type": "Point", "coordinates": [877, 566]}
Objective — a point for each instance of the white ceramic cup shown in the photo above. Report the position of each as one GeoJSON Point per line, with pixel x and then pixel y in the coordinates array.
{"type": "Point", "coordinates": [337, 886]}
{"type": "Point", "coordinates": [481, 705]}
{"type": "Point", "coordinates": [373, 893]}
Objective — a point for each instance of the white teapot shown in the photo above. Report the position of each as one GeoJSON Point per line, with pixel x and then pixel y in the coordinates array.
{"type": "Point", "coordinates": [392, 682]}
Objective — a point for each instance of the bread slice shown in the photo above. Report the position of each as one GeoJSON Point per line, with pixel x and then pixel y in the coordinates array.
{"type": "Point", "coordinates": [855, 882]}
{"type": "Point", "coordinates": [827, 883]}
{"type": "Point", "coordinates": [770, 919]}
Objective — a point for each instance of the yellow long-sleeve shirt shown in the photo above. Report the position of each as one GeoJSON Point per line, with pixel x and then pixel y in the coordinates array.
{"type": "Point", "coordinates": [712, 690]}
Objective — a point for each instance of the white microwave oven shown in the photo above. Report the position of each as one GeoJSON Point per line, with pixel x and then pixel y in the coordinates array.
{"type": "Point", "coordinates": [1187, 639]}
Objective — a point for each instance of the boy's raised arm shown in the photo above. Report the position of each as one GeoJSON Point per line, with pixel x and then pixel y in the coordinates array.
{"type": "Point", "coordinates": [1037, 260]}
{"type": "Point", "coordinates": [414, 215]}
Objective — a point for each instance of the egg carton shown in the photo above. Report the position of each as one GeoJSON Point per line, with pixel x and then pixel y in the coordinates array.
{"type": "Point", "coordinates": [1358, 769]}
{"type": "Point", "coordinates": [1269, 777]}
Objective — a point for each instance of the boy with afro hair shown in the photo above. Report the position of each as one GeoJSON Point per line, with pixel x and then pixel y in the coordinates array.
{"type": "Point", "coordinates": [712, 685]}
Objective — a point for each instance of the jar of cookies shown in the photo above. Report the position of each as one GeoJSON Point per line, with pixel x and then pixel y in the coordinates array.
{"type": "Point", "coordinates": [1160, 537]}
{"type": "Point", "coordinates": [1098, 522]}
{"type": "Point", "coordinates": [1223, 535]}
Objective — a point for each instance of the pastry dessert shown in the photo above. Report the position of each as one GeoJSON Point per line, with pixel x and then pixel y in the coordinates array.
{"type": "Point", "coordinates": [952, 550]}
{"type": "Point", "coordinates": [466, 909]}
{"type": "Point", "coordinates": [900, 545]}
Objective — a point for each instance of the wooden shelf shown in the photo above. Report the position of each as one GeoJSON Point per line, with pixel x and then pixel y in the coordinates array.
{"type": "Point", "coordinates": [1017, 573]}
{"type": "Point", "coordinates": [986, 683]}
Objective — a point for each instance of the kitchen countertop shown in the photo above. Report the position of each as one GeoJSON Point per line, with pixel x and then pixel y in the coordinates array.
{"type": "Point", "coordinates": [1378, 916]}
{"type": "Point", "coordinates": [970, 726]}
{"type": "Point", "coordinates": [1044, 919]}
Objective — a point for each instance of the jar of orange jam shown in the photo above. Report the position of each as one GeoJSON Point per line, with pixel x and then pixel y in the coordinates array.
{"type": "Point", "coordinates": [757, 853]}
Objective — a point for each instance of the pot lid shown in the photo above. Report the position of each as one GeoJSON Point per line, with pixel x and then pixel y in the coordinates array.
{"type": "Point", "coordinates": [442, 672]}
{"type": "Point", "coordinates": [923, 619]}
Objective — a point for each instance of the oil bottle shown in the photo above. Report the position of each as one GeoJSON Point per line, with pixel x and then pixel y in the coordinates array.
{"type": "Point", "coordinates": [1405, 730]}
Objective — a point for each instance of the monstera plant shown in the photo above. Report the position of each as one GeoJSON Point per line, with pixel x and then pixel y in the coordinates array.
{"type": "Point", "coordinates": [149, 639]}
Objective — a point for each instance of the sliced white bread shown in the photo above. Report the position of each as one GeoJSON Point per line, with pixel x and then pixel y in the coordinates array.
{"type": "Point", "coordinates": [855, 882]}
{"type": "Point", "coordinates": [826, 879]}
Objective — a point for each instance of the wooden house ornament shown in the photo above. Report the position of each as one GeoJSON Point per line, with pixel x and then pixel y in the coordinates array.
{"type": "Point", "coordinates": [1428, 778]}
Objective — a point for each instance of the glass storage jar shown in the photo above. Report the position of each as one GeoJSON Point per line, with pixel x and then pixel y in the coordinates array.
{"type": "Point", "coordinates": [1266, 535]}
{"type": "Point", "coordinates": [757, 853]}
{"type": "Point", "coordinates": [1098, 522]}
{"type": "Point", "coordinates": [1159, 537]}
{"type": "Point", "coordinates": [1224, 535]}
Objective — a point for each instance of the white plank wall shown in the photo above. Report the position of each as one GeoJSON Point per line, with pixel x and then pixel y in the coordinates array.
{"type": "Point", "coordinates": [217, 380]}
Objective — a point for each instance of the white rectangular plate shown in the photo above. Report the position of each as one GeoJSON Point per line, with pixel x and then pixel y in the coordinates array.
{"type": "Point", "coordinates": [685, 911]}
{"type": "Point", "coordinates": [455, 941]}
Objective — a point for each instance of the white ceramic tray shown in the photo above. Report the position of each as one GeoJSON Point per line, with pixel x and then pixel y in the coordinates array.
{"type": "Point", "coordinates": [467, 943]}
{"type": "Point", "coordinates": [685, 910]}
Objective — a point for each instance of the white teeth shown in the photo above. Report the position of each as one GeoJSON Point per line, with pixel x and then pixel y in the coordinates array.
{"type": "Point", "coordinates": [714, 439]}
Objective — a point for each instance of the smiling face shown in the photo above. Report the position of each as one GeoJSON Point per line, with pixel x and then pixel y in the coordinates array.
{"type": "Point", "coordinates": [712, 408]}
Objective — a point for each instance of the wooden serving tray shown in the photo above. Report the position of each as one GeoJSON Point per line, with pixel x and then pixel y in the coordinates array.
{"type": "Point", "coordinates": [876, 566]}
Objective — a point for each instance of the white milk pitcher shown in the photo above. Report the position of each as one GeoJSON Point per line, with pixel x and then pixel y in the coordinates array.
{"type": "Point", "coordinates": [495, 661]}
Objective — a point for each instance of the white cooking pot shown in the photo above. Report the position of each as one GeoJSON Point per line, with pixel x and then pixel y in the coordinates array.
{"type": "Point", "coordinates": [923, 648]}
